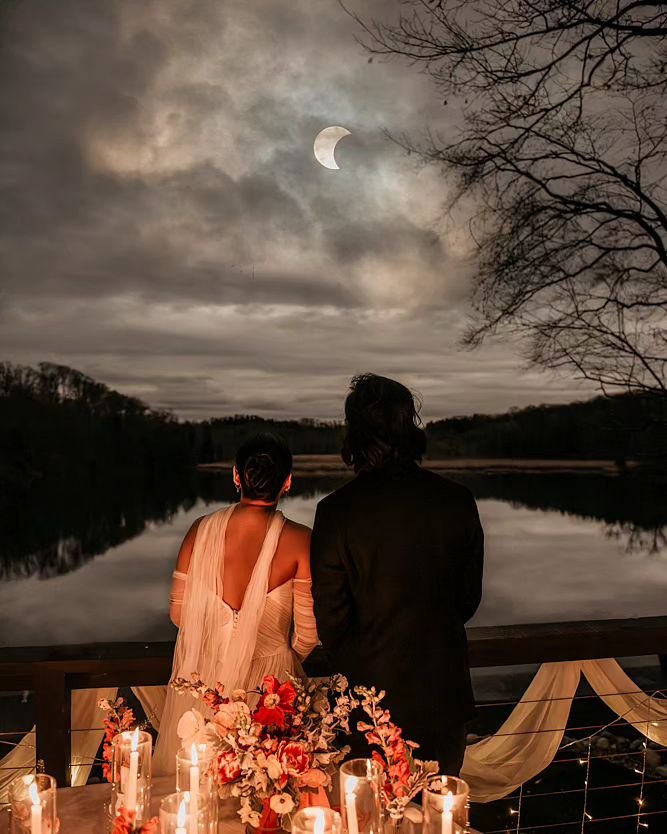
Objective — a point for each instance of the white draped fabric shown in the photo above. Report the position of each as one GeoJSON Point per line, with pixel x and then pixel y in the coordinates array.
{"type": "Point", "coordinates": [494, 767]}
{"type": "Point", "coordinates": [529, 739]}
{"type": "Point", "coordinates": [233, 648]}
{"type": "Point", "coordinates": [87, 733]}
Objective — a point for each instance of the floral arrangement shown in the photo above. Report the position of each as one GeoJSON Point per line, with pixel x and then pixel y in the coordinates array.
{"type": "Point", "coordinates": [124, 823]}
{"type": "Point", "coordinates": [278, 754]}
{"type": "Point", "coordinates": [119, 718]}
{"type": "Point", "coordinates": [405, 776]}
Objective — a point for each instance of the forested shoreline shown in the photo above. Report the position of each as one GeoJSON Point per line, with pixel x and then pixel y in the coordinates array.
{"type": "Point", "coordinates": [59, 426]}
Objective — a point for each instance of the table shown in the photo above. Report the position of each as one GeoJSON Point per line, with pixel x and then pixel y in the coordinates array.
{"type": "Point", "coordinates": [81, 810]}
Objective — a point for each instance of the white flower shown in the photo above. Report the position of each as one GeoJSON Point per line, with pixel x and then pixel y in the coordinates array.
{"type": "Point", "coordinates": [190, 726]}
{"type": "Point", "coordinates": [281, 803]}
{"type": "Point", "coordinates": [274, 767]}
{"type": "Point", "coordinates": [104, 704]}
{"type": "Point", "coordinates": [249, 816]}
{"type": "Point", "coordinates": [239, 695]}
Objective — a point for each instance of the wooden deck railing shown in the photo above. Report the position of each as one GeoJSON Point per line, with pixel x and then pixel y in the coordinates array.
{"type": "Point", "coordinates": [53, 672]}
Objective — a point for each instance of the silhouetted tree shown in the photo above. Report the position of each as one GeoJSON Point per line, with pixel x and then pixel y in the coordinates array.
{"type": "Point", "coordinates": [559, 133]}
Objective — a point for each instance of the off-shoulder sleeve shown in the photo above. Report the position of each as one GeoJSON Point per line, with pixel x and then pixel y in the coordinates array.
{"type": "Point", "coordinates": [176, 595]}
{"type": "Point", "coordinates": [305, 637]}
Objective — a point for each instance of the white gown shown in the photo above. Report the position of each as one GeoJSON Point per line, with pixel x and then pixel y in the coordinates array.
{"type": "Point", "coordinates": [269, 635]}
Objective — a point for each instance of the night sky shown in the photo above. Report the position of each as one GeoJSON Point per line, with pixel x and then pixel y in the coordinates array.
{"type": "Point", "coordinates": [165, 227]}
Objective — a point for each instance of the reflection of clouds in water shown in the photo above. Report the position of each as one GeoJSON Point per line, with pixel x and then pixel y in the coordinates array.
{"type": "Point", "coordinates": [301, 508]}
{"type": "Point", "coordinates": [540, 566]}
{"type": "Point", "coordinates": [120, 596]}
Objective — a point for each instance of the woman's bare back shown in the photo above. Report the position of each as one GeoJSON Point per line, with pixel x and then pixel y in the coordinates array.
{"type": "Point", "coordinates": [245, 535]}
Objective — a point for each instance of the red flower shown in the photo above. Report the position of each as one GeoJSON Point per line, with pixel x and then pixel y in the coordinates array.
{"type": "Point", "coordinates": [229, 767]}
{"type": "Point", "coordinates": [213, 699]}
{"type": "Point", "coordinates": [294, 758]}
{"type": "Point", "coordinates": [276, 703]}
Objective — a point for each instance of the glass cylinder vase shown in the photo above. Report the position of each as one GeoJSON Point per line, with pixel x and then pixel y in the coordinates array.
{"type": "Point", "coordinates": [445, 806]}
{"type": "Point", "coordinates": [131, 774]}
{"type": "Point", "coordinates": [317, 820]}
{"type": "Point", "coordinates": [33, 804]}
{"type": "Point", "coordinates": [360, 796]}
{"type": "Point", "coordinates": [196, 774]}
{"type": "Point", "coordinates": [179, 816]}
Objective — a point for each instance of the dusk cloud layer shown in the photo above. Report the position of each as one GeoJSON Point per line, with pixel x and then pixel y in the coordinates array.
{"type": "Point", "coordinates": [166, 228]}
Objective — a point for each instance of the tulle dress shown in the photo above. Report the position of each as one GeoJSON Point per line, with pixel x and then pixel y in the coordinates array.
{"type": "Point", "coordinates": [270, 634]}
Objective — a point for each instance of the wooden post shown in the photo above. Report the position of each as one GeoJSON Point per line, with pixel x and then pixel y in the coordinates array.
{"type": "Point", "coordinates": [54, 722]}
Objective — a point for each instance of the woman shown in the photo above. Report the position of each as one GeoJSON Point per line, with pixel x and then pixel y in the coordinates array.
{"type": "Point", "coordinates": [241, 592]}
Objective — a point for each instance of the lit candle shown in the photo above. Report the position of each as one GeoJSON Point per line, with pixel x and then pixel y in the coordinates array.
{"type": "Point", "coordinates": [36, 809]}
{"type": "Point", "coordinates": [180, 818]}
{"type": "Point", "coordinates": [447, 814]}
{"type": "Point", "coordinates": [350, 806]}
{"type": "Point", "coordinates": [194, 789]}
{"type": "Point", "coordinates": [133, 775]}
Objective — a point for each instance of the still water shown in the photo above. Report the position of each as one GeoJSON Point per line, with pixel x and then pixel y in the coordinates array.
{"type": "Point", "coordinates": [557, 548]}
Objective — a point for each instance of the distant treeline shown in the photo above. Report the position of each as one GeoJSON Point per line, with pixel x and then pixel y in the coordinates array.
{"type": "Point", "coordinates": [61, 426]}
{"type": "Point", "coordinates": [622, 427]}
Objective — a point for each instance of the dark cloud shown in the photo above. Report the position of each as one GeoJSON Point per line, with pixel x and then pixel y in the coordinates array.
{"type": "Point", "coordinates": [165, 226]}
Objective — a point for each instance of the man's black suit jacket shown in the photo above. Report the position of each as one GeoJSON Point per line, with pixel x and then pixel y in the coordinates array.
{"type": "Point", "coordinates": [397, 556]}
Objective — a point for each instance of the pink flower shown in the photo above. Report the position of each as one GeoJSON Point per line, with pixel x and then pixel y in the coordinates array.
{"type": "Point", "coordinates": [230, 715]}
{"type": "Point", "coordinates": [294, 758]}
{"type": "Point", "coordinates": [229, 767]}
{"type": "Point", "coordinates": [313, 778]}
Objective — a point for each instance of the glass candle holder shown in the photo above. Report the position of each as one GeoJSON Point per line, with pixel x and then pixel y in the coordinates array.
{"type": "Point", "coordinates": [316, 820]}
{"type": "Point", "coordinates": [33, 804]}
{"type": "Point", "coordinates": [360, 803]}
{"type": "Point", "coordinates": [196, 775]}
{"type": "Point", "coordinates": [179, 816]}
{"type": "Point", "coordinates": [131, 774]}
{"type": "Point", "coordinates": [445, 806]}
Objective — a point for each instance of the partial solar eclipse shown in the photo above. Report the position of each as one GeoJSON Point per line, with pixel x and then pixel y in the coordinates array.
{"type": "Point", "coordinates": [325, 145]}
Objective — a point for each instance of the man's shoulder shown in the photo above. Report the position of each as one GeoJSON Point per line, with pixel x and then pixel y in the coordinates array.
{"type": "Point", "coordinates": [339, 496]}
{"type": "Point", "coordinates": [447, 487]}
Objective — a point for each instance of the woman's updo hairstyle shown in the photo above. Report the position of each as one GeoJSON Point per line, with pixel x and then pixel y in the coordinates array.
{"type": "Point", "coordinates": [263, 462]}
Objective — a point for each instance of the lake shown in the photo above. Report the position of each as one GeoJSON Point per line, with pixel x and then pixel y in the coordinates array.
{"type": "Point", "coordinates": [558, 547]}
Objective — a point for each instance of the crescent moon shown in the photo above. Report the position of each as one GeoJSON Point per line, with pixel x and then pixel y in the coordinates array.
{"type": "Point", "coordinates": [325, 145]}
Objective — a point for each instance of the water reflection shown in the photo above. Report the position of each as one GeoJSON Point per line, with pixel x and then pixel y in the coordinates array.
{"type": "Point", "coordinates": [548, 557]}
{"type": "Point", "coordinates": [49, 534]}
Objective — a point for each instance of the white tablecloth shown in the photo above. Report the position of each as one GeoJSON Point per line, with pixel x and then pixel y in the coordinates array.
{"type": "Point", "coordinates": [81, 810]}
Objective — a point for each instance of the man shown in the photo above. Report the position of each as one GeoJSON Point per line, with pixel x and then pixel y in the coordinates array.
{"type": "Point", "coordinates": [396, 557]}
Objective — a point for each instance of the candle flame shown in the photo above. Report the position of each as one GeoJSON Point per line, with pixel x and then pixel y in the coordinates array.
{"type": "Point", "coordinates": [318, 827]}
{"type": "Point", "coordinates": [449, 801]}
{"type": "Point", "coordinates": [135, 740]}
{"type": "Point", "coordinates": [194, 756]}
{"type": "Point", "coordinates": [180, 820]}
{"type": "Point", "coordinates": [33, 792]}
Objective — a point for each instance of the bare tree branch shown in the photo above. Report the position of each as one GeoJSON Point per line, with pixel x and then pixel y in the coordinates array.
{"type": "Point", "coordinates": [563, 146]}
